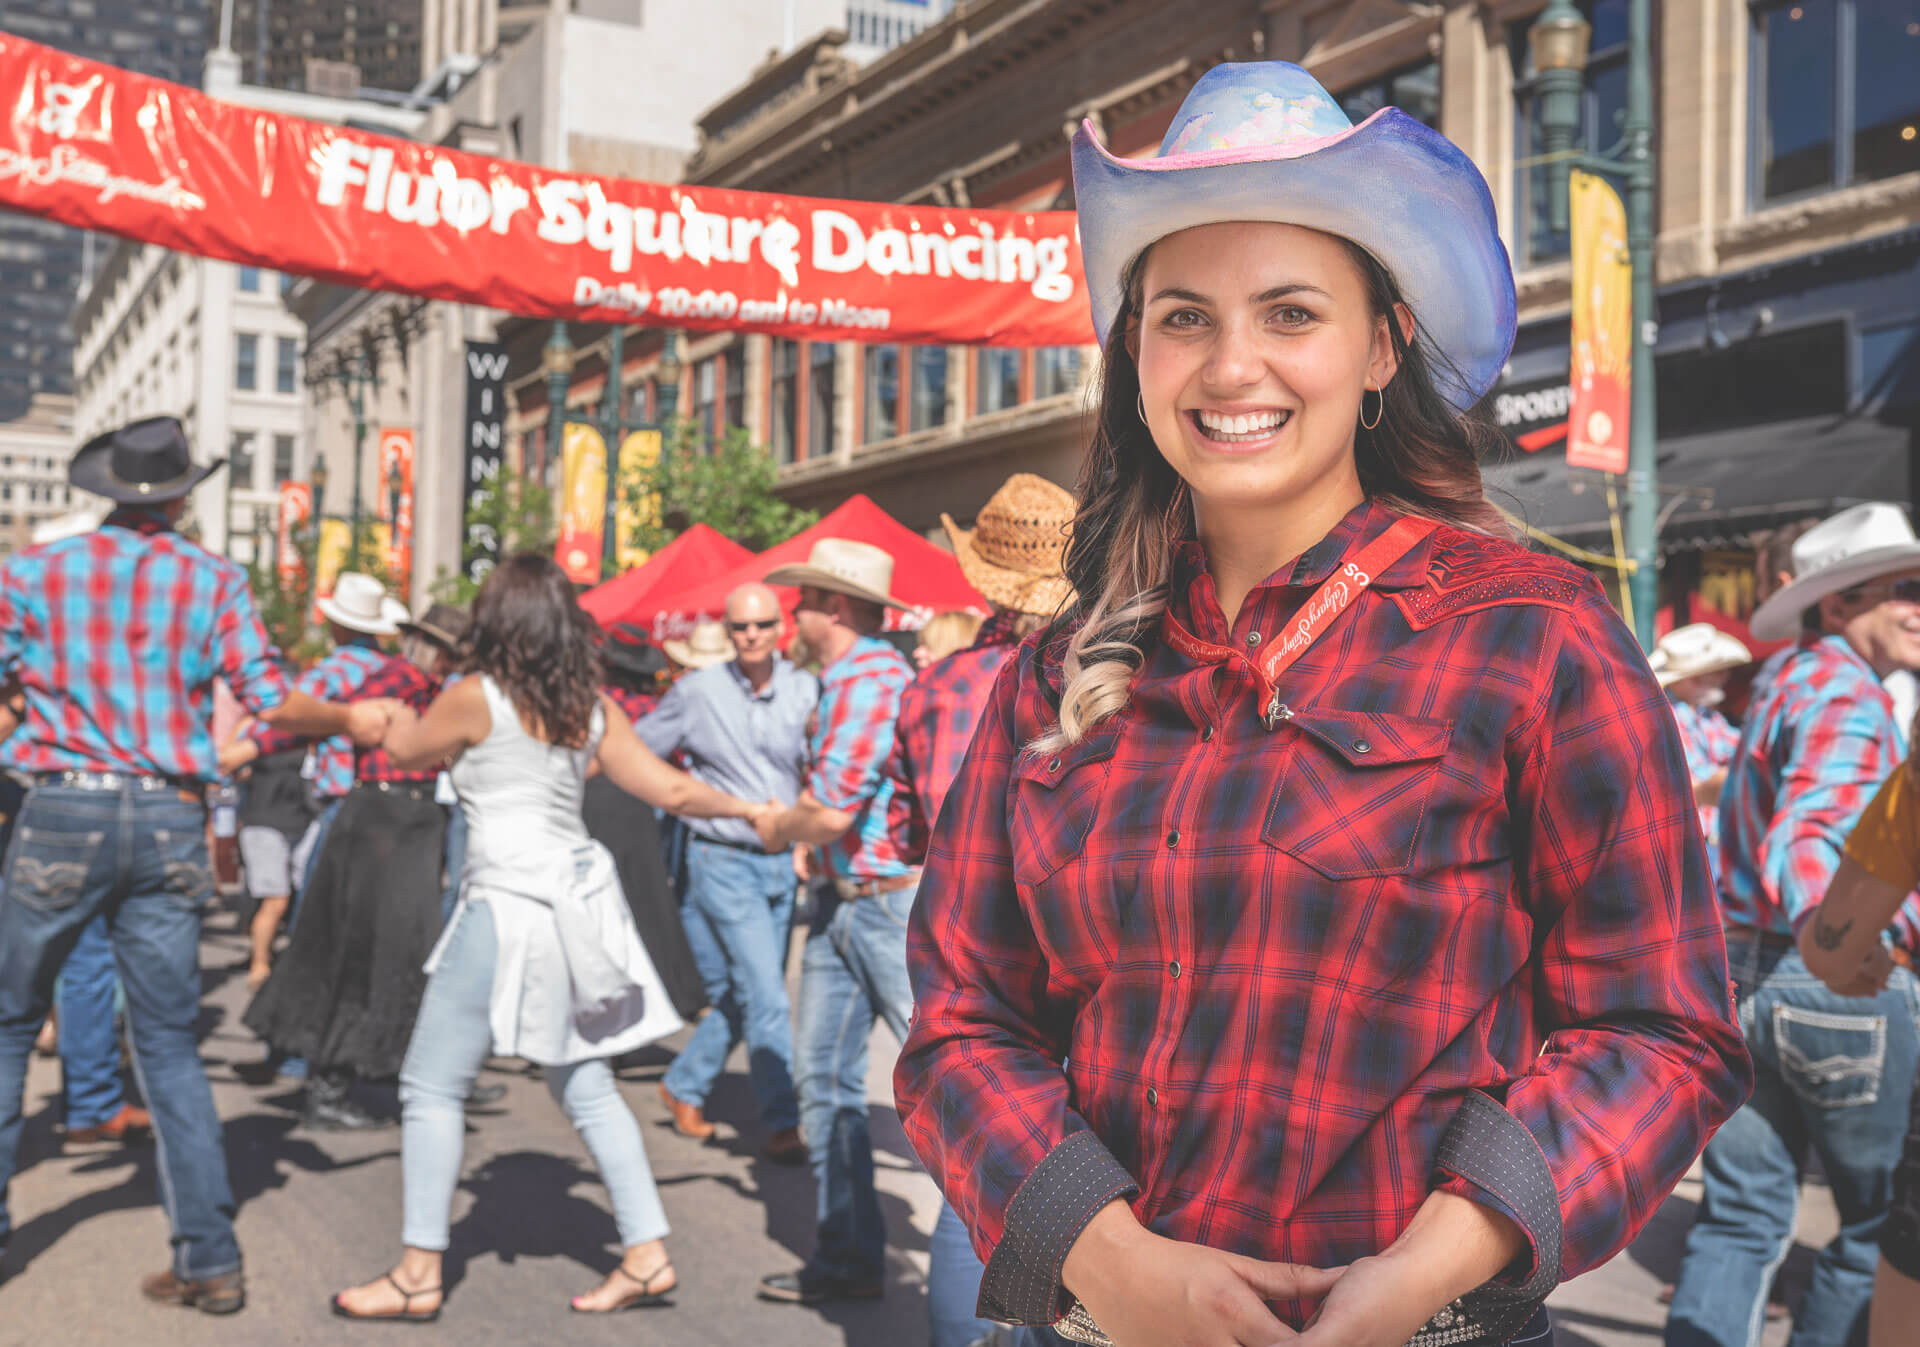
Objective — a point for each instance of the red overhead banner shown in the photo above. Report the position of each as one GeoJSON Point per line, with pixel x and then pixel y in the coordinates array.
{"type": "Point", "coordinates": [99, 147]}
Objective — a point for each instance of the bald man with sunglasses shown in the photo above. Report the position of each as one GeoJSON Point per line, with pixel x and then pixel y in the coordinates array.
{"type": "Point", "coordinates": [742, 724]}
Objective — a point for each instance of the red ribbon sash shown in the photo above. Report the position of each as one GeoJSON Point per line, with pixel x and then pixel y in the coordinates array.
{"type": "Point", "coordinates": [1322, 609]}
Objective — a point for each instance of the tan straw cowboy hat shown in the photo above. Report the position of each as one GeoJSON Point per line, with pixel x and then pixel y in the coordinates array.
{"type": "Point", "coordinates": [843, 566]}
{"type": "Point", "coordinates": [1695, 649]}
{"type": "Point", "coordinates": [361, 603]}
{"type": "Point", "coordinates": [1012, 554]}
{"type": "Point", "coordinates": [707, 646]}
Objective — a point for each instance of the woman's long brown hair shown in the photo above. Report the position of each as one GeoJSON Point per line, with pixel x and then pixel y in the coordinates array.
{"type": "Point", "coordinates": [1423, 458]}
{"type": "Point", "coordinates": [539, 645]}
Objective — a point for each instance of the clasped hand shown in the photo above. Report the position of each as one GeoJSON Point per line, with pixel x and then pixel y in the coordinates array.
{"type": "Point", "coordinates": [368, 722]}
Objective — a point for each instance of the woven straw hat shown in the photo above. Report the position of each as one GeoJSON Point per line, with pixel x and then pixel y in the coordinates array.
{"type": "Point", "coordinates": [707, 646]}
{"type": "Point", "coordinates": [1695, 649]}
{"type": "Point", "coordinates": [843, 566]}
{"type": "Point", "coordinates": [1012, 554]}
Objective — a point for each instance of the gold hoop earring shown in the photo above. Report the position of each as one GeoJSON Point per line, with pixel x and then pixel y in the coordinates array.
{"type": "Point", "coordinates": [1140, 401]}
{"type": "Point", "coordinates": [1380, 407]}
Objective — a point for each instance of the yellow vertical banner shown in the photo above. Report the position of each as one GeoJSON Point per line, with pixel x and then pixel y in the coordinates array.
{"type": "Point", "coordinates": [335, 541]}
{"type": "Point", "coordinates": [1600, 410]}
{"type": "Point", "coordinates": [639, 452]}
{"type": "Point", "coordinates": [583, 503]}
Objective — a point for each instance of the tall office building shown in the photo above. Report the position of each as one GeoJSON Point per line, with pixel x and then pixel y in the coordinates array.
{"type": "Point", "coordinates": [41, 263]}
{"type": "Point", "coordinates": [277, 40]}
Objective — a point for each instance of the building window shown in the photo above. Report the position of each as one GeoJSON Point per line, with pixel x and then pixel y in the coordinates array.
{"type": "Point", "coordinates": [246, 361]}
{"type": "Point", "coordinates": [282, 459]}
{"type": "Point", "coordinates": [1602, 106]}
{"type": "Point", "coordinates": [820, 400]}
{"type": "Point", "coordinates": [287, 282]}
{"type": "Point", "coordinates": [1056, 370]}
{"type": "Point", "coordinates": [882, 421]}
{"type": "Point", "coordinates": [997, 379]}
{"type": "Point", "coordinates": [286, 364]}
{"type": "Point", "coordinates": [240, 460]}
{"type": "Point", "coordinates": [250, 280]}
{"type": "Point", "coordinates": [929, 405]}
{"type": "Point", "coordinates": [1414, 90]}
{"type": "Point", "coordinates": [735, 410]}
{"type": "Point", "coordinates": [706, 398]}
{"type": "Point", "coordinates": [1835, 101]}
{"type": "Point", "coordinates": [785, 419]}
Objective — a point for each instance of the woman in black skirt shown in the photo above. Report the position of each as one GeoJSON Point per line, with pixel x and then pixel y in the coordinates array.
{"type": "Point", "coordinates": [345, 993]}
{"type": "Point", "coordinates": [626, 826]}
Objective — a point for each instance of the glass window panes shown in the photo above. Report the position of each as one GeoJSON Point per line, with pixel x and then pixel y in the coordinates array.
{"type": "Point", "coordinates": [929, 407]}
{"type": "Point", "coordinates": [286, 364]}
{"type": "Point", "coordinates": [1836, 101]}
{"type": "Point", "coordinates": [736, 407]}
{"type": "Point", "coordinates": [246, 361]}
{"type": "Point", "coordinates": [785, 412]}
{"type": "Point", "coordinates": [1886, 88]}
{"type": "Point", "coordinates": [240, 460]}
{"type": "Point", "coordinates": [250, 279]}
{"type": "Point", "coordinates": [996, 379]}
{"type": "Point", "coordinates": [1056, 370]}
{"type": "Point", "coordinates": [882, 421]}
{"type": "Point", "coordinates": [820, 400]}
{"type": "Point", "coordinates": [1798, 44]}
{"type": "Point", "coordinates": [1414, 90]}
{"type": "Point", "coordinates": [706, 398]}
{"type": "Point", "coordinates": [282, 459]}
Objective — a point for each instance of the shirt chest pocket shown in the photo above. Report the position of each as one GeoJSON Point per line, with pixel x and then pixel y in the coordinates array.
{"type": "Point", "coordinates": [1056, 798]}
{"type": "Point", "coordinates": [1353, 795]}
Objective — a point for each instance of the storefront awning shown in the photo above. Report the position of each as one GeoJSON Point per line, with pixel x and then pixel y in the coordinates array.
{"type": "Point", "coordinates": [1718, 489]}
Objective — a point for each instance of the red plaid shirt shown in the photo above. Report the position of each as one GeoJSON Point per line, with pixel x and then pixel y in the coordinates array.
{"type": "Point", "coordinates": [635, 704]}
{"type": "Point", "coordinates": [402, 680]}
{"type": "Point", "coordinates": [1256, 979]}
{"type": "Point", "coordinates": [937, 716]}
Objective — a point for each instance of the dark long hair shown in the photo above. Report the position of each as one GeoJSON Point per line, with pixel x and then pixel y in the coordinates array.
{"type": "Point", "coordinates": [1423, 458]}
{"type": "Point", "coordinates": [539, 644]}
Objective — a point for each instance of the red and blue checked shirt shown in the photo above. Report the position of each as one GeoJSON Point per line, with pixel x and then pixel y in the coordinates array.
{"type": "Point", "coordinates": [403, 680]}
{"type": "Point", "coordinates": [852, 740]}
{"type": "Point", "coordinates": [937, 716]}
{"type": "Point", "coordinates": [336, 678]}
{"type": "Point", "coordinates": [116, 638]}
{"type": "Point", "coordinates": [635, 704]}
{"type": "Point", "coordinates": [1252, 978]}
{"type": "Point", "coordinates": [1817, 743]}
{"type": "Point", "coordinates": [1709, 739]}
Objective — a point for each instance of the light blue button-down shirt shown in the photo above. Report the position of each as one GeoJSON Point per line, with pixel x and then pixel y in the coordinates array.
{"type": "Point", "coordinates": [750, 744]}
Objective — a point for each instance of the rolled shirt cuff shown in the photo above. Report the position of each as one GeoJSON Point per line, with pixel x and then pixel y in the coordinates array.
{"type": "Point", "coordinates": [1046, 1216]}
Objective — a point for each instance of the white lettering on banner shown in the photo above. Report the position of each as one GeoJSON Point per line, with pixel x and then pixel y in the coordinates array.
{"type": "Point", "coordinates": [67, 164]}
{"type": "Point", "coordinates": [1542, 404]}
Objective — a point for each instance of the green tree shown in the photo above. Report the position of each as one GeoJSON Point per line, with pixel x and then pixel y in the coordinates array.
{"type": "Point", "coordinates": [286, 607]}
{"type": "Point", "coordinates": [509, 513]}
{"type": "Point", "coordinates": [730, 489]}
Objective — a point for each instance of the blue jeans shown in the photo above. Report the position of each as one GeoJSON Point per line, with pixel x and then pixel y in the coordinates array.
{"type": "Point", "coordinates": [1832, 1074]}
{"type": "Point", "coordinates": [85, 993]}
{"type": "Point", "coordinates": [953, 1284]}
{"type": "Point", "coordinates": [141, 859]}
{"type": "Point", "coordinates": [738, 914]}
{"type": "Point", "coordinates": [456, 860]}
{"type": "Point", "coordinates": [451, 1039]}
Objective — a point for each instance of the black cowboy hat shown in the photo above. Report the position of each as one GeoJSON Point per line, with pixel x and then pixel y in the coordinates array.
{"type": "Point", "coordinates": [630, 650]}
{"type": "Point", "coordinates": [145, 462]}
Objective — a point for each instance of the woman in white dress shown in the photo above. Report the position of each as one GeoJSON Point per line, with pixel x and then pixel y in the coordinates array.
{"type": "Point", "coordinates": [541, 959]}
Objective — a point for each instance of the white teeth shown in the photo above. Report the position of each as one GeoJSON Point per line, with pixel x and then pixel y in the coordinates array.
{"type": "Point", "coordinates": [1255, 424]}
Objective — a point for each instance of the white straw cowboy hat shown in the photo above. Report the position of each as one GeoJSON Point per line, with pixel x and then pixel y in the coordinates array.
{"type": "Point", "coordinates": [1695, 649]}
{"type": "Point", "coordinates": [1263, 141]}
{"type": "Point", "coordinates": [361, 603]}
{"type": "Point", "coordinates": [706, 646]}
{"type": "Point", "coordinates": [843, 566]}
{"type": "Point", "coordinates": [1854, 546]}
{"type": "Point", "coordinates": [1012, 554]}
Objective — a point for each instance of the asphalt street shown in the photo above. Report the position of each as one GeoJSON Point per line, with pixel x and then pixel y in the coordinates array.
{"type": "Point", "coordinates": [532, 1226]}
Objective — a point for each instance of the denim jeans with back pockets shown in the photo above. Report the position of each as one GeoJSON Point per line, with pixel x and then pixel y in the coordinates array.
{"type": "Point", "coordinates": [1832, 1075]}
{"type": "Point", "coordinates": [140, 859]}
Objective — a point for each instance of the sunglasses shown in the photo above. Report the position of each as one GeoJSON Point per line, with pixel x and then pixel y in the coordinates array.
{"type": "Point", "coordinates": [767, 624]}
{"type": "Point", "coordinates": [1906, 590]}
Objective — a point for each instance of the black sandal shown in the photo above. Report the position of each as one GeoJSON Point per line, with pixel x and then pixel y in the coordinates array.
{"type": "Point", "coordinates": [647, 1299]}
{"type": "Point", "coordinates": [404, 1315]}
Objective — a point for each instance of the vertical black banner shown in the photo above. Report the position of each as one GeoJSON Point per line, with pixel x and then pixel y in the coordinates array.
{"type": "Point", "coordinates": [486, 423]}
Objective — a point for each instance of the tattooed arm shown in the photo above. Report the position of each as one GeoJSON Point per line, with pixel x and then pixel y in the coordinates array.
{"type": "Point", "coordinates": [1840, 940]}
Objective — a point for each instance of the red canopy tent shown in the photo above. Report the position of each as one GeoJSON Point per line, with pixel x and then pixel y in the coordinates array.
{"type": "Point", "coordinates": [695, 555]}
{"type": "Point", "coordinates": [924, 575]}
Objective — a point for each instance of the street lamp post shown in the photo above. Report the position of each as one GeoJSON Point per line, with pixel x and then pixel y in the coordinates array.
{"type": "Point", "coordinates": [613, 420]}
{"type": "Point", "coordinates": [557, 358]}
{"type": "Point", "coordinates": [358, 380]}
{"type": "Point", "coordinates": [1558, 40]}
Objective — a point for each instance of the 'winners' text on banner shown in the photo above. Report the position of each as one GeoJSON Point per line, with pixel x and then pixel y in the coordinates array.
{"type": "Point", "coordinates": [102, 148]}
{"type": "Point", "coordinates": [486, 452]}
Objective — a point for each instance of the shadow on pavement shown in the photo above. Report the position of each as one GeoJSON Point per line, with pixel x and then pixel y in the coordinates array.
{"type": "Point", "coordinates": [524, 1206]}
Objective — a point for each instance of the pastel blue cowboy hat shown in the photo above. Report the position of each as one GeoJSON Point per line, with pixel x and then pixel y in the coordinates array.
{"type": "Point", "coordinates": [1263, 141]}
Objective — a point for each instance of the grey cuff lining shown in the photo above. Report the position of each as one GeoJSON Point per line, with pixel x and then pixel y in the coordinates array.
{"type": "Point", "coordinates": [1022, 1281]}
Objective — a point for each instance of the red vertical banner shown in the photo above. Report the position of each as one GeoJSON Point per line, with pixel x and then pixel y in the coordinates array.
{"type": "Point", "coordinates": [396, 504]}
{"type": "Point", "coordinates": [1600, 410]}
{"type": "Point", "coordinates": [295, 509]}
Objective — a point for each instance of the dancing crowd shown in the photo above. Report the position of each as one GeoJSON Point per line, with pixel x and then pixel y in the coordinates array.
{"type": "Point", "coordinates": [1301, 908]}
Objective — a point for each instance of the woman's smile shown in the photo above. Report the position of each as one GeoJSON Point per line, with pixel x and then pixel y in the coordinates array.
{"type": "Point", "coordinates": [1238, 431]}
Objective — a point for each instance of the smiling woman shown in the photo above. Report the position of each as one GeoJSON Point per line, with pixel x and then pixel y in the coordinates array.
{"type": "Point", "coordinates": [1268, 960]}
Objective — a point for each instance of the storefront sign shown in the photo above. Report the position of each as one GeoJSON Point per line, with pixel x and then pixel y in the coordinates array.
{"type": "Point", "coordinates": [1599, 415]}
{"type": "Point", "coordinates": [485, 449]}
{"type": "Point", "coordinates": [1534, 416]}
{"type": "Point", "coordinates": [102, 148]}
{"type": "Point", "coordinates": [396, 505]}
{"type": "Point", "coordinates": [583, 503]}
